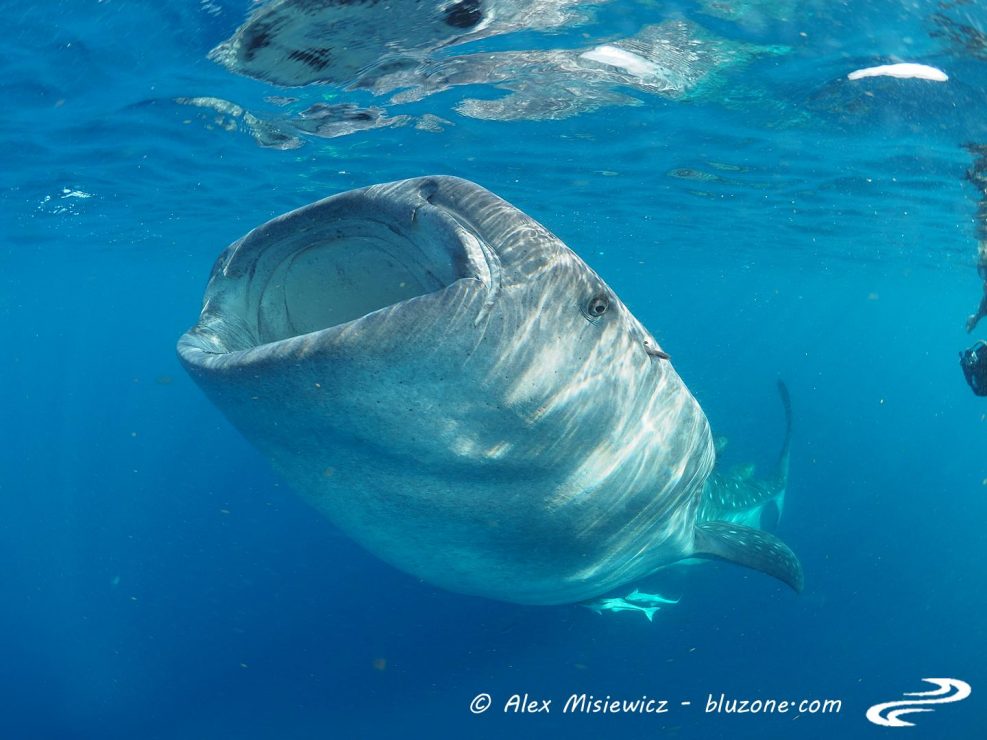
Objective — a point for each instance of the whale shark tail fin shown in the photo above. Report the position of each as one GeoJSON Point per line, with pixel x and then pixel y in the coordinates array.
{"type": "Point", "coordinates": [786, 447]}
{"type": "Point", "coordinates": [771, 514]}
{"type": "Point", "coordinates": [750, 547]}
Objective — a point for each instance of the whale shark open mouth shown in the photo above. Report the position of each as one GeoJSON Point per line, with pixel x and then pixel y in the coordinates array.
{"type": "Point", "coordinates": [335, 281]}
{"type": "Point", "coordinates": [331, 263]}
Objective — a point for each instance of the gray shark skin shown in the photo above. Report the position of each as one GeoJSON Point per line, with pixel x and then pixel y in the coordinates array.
{"type": "Point", "coordinates": [461, 394]}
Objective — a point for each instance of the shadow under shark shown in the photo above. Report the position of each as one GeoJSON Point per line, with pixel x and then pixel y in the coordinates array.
{"type": "Point", "coordinates": [460, 393]}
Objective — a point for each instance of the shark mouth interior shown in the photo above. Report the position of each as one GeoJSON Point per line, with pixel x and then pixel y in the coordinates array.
{"type": "Point", "coordinates": [337, 261]}
{"type": "Point", "coordinates": [324, 266]}
{"type": "Point", "coordinates": [329, 283]}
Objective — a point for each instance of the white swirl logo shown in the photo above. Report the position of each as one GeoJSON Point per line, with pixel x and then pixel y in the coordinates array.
{"type": "Point", "coordinates": [950, 690]}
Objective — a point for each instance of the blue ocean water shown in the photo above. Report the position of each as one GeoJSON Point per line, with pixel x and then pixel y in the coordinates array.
{"type": "Point", "coordinates": [159, 581]}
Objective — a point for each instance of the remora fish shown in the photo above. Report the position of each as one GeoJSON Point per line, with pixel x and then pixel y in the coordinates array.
{"type": "Point", "coordinates": [459, 392]}
{"type": "Point", "coordinates": [640, 597]}
{"type": "Point", "coordinates": [620, 605]}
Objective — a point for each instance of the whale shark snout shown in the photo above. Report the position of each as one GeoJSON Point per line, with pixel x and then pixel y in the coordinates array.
{"type": "Point", "coordinates": [459, 392]}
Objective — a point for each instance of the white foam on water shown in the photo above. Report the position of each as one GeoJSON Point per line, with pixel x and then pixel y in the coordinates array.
{"type": "Point", "coordinates": [904, 70]}
{"type": "Point", "coordinates": [614, 56]}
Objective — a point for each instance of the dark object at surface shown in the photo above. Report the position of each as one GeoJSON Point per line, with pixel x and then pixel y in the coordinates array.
{"type": "Point", "coordinates": [464, 14]}
{"type": "Point", "coordinates": [974, 364]}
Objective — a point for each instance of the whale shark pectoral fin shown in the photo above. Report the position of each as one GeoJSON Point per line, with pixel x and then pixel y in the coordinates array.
{"type": "Point", "coordinates": [751, 547]}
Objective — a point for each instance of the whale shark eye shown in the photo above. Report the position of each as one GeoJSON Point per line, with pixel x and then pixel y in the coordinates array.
{"type": "Point", "coordinates": [597, 306]}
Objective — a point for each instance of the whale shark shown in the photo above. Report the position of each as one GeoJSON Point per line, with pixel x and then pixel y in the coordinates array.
{"type": "Point", "coordinates": [740, 496]}
{"type": "Point", "coordinates": [460, 393]}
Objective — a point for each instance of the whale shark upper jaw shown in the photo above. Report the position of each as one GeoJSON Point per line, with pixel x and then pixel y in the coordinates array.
{"type": "Point", "coordinates": [322, 267]}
